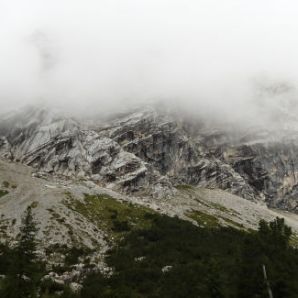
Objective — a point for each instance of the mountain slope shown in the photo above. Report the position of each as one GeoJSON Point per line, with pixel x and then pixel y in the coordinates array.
{"type": "Point", "coordinates": [149, 151]}
{"type": "Point", "coordinates": [78, 221]}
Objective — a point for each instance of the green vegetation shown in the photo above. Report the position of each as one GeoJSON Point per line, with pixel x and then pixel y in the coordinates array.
{"type": "Point", "coordinates": [34, 204]}
{"type": "Point", "coordinates": [203, 219]}
{"type": "Point", "coordinates": [72, 255]}
{"type": "Point", "coordinates": [3, 193]}
{"type": "Point", "coordinates": [184, 187]}
{"type": "Point", "coordinates": [6, 184]}
{"type": "Point", "coordinates": [200, 262]}
{"type": "Point", "coordinates": [22, 268]}
{"type": "Point", "coordinates": [112, 216]}
{"type": "Point", "coordinates": [212, 221]}
{"type": "Point", "coordinates": [154, 255]}
{"type": "Point", "coordinates": [294, 240]}
{"type": "Point", "coordinates": [221, 207]}
{"type": "Point", "coordinates": [233, 223]}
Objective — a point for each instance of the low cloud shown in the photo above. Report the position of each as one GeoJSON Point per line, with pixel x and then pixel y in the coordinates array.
{"type": "Point", "coordinates": [231, 60]}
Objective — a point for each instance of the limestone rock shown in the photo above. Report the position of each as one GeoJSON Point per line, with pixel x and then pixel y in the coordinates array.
{"type": "Point", "coordinates": [152, 150]}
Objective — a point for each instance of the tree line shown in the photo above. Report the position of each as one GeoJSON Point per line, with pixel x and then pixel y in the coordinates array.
{"type": "Point", "coordinates": [169, 258]}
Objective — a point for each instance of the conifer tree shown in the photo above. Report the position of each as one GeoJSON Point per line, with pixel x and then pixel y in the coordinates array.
{"type": "Point", "coordinates": [25, 270]}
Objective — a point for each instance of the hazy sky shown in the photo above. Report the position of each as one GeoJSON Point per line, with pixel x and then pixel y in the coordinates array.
{"type": "Point", "coordinates": [213, 55]}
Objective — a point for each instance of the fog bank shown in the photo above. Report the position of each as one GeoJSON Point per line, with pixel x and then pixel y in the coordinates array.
{"type": "Point", "coordinates": [230, 59]}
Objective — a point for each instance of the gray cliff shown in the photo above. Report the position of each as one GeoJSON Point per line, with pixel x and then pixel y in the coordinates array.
{"type": "Point", "coordinates": [151, 151]}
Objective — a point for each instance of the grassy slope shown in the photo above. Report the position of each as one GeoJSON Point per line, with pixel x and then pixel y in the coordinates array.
{"type": "Point", "coordinates": [114, 217]}
{"type": "Point", "coordinates": [154, 255]}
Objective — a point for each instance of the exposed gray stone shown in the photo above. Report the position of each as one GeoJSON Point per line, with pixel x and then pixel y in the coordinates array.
{"type": "Point", "coordinates": [151, 151]}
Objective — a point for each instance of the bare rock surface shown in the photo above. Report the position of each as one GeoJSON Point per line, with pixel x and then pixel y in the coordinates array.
{"type": "Point", "coordinates": [149, 151]}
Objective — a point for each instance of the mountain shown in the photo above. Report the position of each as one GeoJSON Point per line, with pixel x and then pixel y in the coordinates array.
{"type": "Point", "coordinates": [92, 182]}
{"type": "Point", "coordinates": [150, 151]}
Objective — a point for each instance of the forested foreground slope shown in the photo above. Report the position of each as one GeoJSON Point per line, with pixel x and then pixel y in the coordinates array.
{"type": "Point", "coordinates": [162, 256]}
{"type": "Point", "coordinates": [63, 238]}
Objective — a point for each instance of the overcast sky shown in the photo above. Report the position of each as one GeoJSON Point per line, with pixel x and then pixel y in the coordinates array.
{"type": "Point", "coordinates": [210, 55]}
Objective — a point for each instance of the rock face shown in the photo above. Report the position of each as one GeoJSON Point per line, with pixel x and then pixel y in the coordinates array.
{"type": "Point", "coordinates": [151, 151]}
{"type": "Point", "coordinates": [62, 146]}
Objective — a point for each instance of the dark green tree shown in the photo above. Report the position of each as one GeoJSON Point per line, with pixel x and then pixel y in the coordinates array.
{"type": "Point", "coordinates": [25, 270]}
{"type": "Point", "coordinates": [276, 233]}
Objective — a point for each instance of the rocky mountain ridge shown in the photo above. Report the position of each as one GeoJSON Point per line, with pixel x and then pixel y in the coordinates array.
{"type": "Point", "coordinates": [150, 151]}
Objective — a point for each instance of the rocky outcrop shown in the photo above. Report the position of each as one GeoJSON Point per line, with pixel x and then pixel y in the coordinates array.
{"type": "Point", "coordinates": [152, 151]}
{"type": "Point", "coordinates": [270, 168]}
{"type": "Point", "coordinates": [63, 147]}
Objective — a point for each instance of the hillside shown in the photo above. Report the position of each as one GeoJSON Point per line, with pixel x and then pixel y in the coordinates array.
{"type": "Point", "coordinates": [92, 186]}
